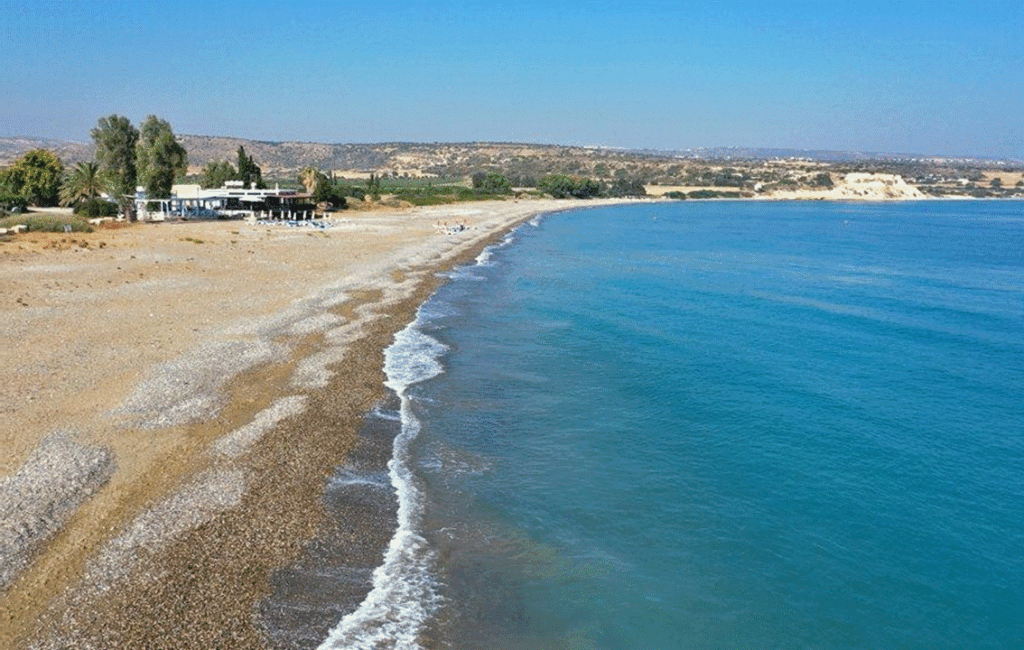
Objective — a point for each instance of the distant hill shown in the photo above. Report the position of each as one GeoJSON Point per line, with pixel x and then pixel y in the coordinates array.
{"type": "Point", "coordinates": [524, 163]}
{"type": "Point", "coordinates": [68, 150]}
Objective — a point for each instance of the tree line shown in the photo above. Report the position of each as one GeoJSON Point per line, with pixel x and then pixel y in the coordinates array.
{"type": "Point", "coordinates": [125, 158]}
{"type": "Point", "coordinates": [215, 174]}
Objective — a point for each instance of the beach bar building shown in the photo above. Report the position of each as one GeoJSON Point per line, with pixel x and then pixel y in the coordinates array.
{"type": "Point", "coordinates": [231, 201]}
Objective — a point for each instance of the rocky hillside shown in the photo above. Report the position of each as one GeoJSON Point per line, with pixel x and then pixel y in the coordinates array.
{"type": "Point", "coordinates": [732, 171]}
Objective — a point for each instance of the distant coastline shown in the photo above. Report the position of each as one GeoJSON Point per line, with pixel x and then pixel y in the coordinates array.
{"type": "Point", "coordinates": [775, 172]}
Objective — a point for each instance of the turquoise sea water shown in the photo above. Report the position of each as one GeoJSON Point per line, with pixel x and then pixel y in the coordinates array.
{"type": "Point", "coordinates": [716, 425]}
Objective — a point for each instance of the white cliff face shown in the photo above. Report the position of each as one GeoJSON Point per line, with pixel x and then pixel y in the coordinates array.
{"type": "Point", "coordinates": [877, 187]}
{"type": "Point", "coordinates": [858, 186]}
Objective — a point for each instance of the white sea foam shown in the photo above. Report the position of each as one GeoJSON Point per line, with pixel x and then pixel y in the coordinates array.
{"type": "Point", "coordinates": [351, 477]}
{"type": "Point", "coordinates": [385, 414]}
{"type": "Point", "coordinates": [484, 257]}
{"type": "Point", "coordinates": [404, 594]}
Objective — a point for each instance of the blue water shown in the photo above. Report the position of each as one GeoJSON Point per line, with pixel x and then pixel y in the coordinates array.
{"type": "Point", "coordinates": [722, 425]}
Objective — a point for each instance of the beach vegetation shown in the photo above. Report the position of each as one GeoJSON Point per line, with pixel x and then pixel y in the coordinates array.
{"type": "Point", "coordinates": [249, 172]}
{"type": "Point", "coordinates": [160, 158]}
{"type": "Point", "coordinates": [82, 183]}
{"type": "Point", "coordinates": [325, 190]}
{"type": "Point", "coordinates": [216, 174]}
{"type": "Point", "coordinates": [621, 187]}
{"type": "Point", "coordinates": [561, 186]}
{"type": "Point", "coordinates": [116, 139]}
{"type": "Point", "coordinates": [95, 208]}
{"type": "Point", "coordinates": [491, 183]}
{"type": "Point", "coordinates": [822, 179]}
{"type": "Point", "coordinates": [47, 222]}
{"type": "Point", "coordinates": [373, 186]}
{"type": "Point", "coordinates": [11, 203]}
{"type": "Point", "coordinates": [35, 177]}
{"type": "Point", "coordinates": [523, 180]}
{"type": "Point", "coordinates": [353, 191]}
{"type": "Point", "coordinates": [713, 194]}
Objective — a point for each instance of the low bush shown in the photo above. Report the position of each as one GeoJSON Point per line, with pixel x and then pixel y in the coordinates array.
{"type": "Point", "coordinates": [712, 194]}
{"type": "Point", "coordinates": [12, 203]}
{"type": "Point", "coordinates": [94, 208]}
{"type": "Point", "coordinates": [47, 223]}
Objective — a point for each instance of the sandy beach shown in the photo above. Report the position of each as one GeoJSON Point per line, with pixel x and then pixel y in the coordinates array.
{"type": "Point", "coordinates": [173, 396]}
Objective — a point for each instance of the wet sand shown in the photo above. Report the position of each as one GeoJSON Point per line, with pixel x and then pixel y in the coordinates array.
{"type": "Point", "coordinates": [175, 396]}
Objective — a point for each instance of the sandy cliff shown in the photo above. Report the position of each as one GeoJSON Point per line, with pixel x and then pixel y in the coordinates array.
{"type": "Point", "coordinates": [858, 186]}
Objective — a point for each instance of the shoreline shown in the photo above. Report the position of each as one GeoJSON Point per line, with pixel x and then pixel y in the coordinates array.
{"type": "Point", "coordinates": [184, 500]}
{"type": "Point", "coordinates": [203, 499]}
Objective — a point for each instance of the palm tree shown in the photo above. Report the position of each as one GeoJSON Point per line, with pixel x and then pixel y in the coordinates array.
{"type": "Point", "coordinates": [82, 183]}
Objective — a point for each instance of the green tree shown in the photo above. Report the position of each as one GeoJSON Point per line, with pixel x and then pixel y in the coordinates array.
{"type": "Point", "coordinates": [115, 139]}
{"type": "Point", "coordinates": [82, 183]}
{"type": "Point", "coordinates": [159, 157]}
{"type": "Point", "coordinates": [326, 191]}
{"type": "Point", "coordinates": [823, 179]}
{"type": "Point", "coordinates": [622, 187]}
{"type": "Point", "coordinates": [35, 177]}
{"type": "Point", "coordinates": [561, 186]}
{"type": "Point", "coordinates": [248, 171]}
{"type": "Point", "coordinates": [491, 183]}
{"type": "Point", "coordinates": [373, 186]}
{"type": "Point", "coordinates": [215, 174]}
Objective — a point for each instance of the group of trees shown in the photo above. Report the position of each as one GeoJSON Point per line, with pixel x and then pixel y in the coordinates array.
{"type": "Point", "coordinates": [491, 183]}
{"type": "Point", "coordinates": [125, 158]}
{"type": "Point", "coordinates": [561, 186]}
{"type": "Point", "coordinates": [215, 174]}
{"type": "Point", "coordinates": [35, 179]}
{"type": "Point", "coordinates": [326, 189]}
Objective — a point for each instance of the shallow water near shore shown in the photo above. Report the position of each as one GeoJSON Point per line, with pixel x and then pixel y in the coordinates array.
{"type": "Point", "coordinates": [714, 425]}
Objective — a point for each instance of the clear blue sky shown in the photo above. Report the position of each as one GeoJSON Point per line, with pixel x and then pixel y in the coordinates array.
{"type": "Point", "coordinates": [944, 78]}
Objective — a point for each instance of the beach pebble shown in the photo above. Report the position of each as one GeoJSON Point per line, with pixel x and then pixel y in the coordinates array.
{"type": "Point", "coordinates": [43, 494]}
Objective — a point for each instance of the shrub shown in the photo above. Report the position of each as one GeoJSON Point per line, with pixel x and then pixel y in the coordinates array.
{"type": "Point", "coordinates": [561, 186]}
{"type": "Point", "coordinates": [622, 187]}
{"type": "Point", "coordinates": [94, 208]}
{"type": "Point", "coordinates": [712, 194]}
{"type": "Point", "coordinates": [491, 183]}
{"type": "Point", "coordinates": [47, 223]}
{"type": "Point", "coordinates": [823, 180]}
{"type": "Point", "coordinates": [328, 192]}
{"type": "Point", "coordinates": [12, 203]}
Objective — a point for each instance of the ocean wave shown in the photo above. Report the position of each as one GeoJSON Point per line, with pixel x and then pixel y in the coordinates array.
{"type": "Point", "coordinates": [405, 593]}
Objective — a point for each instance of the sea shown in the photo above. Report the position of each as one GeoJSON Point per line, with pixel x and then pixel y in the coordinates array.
{"type": "Point", "coordinates": [711, 425]}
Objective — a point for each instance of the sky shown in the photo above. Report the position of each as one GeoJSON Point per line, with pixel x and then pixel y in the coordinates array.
{"type": "Point", "coordinates": [932, 78]}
